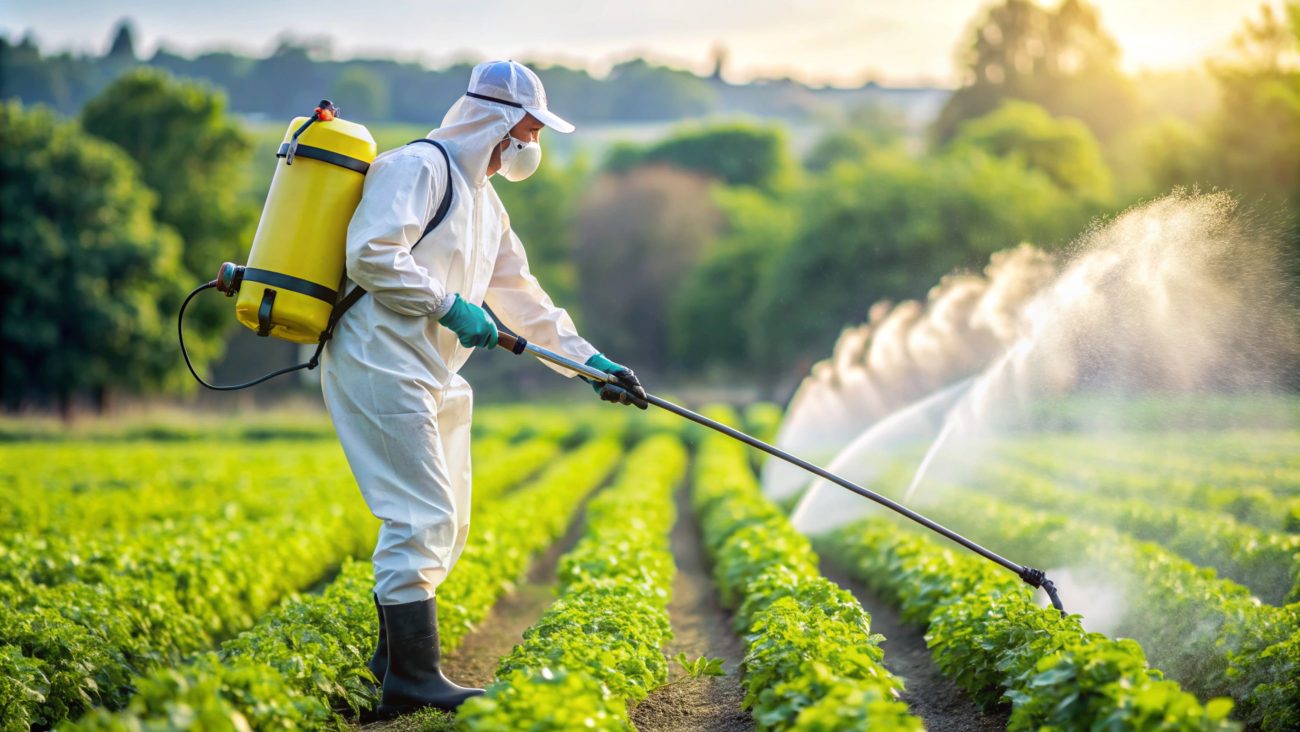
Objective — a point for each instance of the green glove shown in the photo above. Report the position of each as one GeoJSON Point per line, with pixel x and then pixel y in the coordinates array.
{"type": "Point", "coordinates": [628, 390]}
{"type": "Point", "coordinates": [471, 324]}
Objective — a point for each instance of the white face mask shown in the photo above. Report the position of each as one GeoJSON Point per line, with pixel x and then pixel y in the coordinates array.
{"type": "Point", "coordinates": [520, 159]}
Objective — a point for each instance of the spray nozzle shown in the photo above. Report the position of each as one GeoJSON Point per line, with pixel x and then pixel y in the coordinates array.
{"type": "Point", "coordinates": [1038, 578]}
{"type": "Point", "coordinates": [326, 111]}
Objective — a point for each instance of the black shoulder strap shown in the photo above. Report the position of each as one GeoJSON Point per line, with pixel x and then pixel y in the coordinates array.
{"type": "Point", "coordinates": [342, 306]}
{"type": "Point", "coordinates": [445, 205]}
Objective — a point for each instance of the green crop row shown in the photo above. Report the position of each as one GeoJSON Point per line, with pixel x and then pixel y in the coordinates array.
{"type": "Point", "coordinates": [308, 656]}
{"type": "Point", "coordinates": [74, 488]}
{"type": "Point", "coordinates": [811, 662]}
{"type": "Point", "coordinates": [988, 634]}
{"type": "Point", "coordinates": [1231, 460]}
{"type": "Point", "coordinates": [172, 425]}
{"type": "Point", "coordinates": [506, 536]}
{"type": "Point", "coordinates": [598, 647]}
{"type": "Point", "coordinates": [499, 466]}
{"type": "Point", "coordinates": [159, 425]}
{"type": "Point", "coordinates": [284, 673]}
{"type": "Point", "coordinates": [1251, 504]}
{"type": "Point", "coordinates": [193, 550]}
{"type": "Point", "coordinates": [1225, 448]}
{"type": "Point", "coordinates": [1266, 562]}
{"type": "Point", "coordinates": [763, 419]}
{"type": "Point", "coordinates": [513, 425]}
{"type": "Point", "coordinates": [568, 425]}
{"type": "Point", "coordinates": [72, 645]}
{"type": "Point", "coordinates": [1210, 634]}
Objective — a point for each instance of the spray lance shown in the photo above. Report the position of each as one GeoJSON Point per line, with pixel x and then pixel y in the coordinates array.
{"type": "Point", "coordinates": [1034, 577]}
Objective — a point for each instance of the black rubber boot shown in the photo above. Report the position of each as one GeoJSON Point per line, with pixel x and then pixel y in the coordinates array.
{"type": "Point", "coordinates": [378, 664]}
{"type": "Point", "coordinates": [414, 679]}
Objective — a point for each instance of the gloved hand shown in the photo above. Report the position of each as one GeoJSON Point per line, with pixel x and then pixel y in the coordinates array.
{"type": "Point", "coordinates": [471, 324]}
{"type": "Point", "coordinates": [631, 393]}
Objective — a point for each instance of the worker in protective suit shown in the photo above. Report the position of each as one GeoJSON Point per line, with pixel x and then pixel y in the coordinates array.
{"type": "Point", "coordinates": [390, 373]}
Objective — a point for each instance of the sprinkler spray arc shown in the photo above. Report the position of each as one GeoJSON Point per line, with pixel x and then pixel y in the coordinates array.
{"type": "Point", "coordinates": [1034, 577]}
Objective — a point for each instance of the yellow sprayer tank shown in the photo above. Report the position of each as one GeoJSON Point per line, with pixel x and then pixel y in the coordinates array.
{"type": "Point", "coordinates": [296, 263]}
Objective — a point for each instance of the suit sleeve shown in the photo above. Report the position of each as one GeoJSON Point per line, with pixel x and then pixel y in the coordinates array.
{"type": "Point", "coordinates": [398, 198]}
{"type": "Point", "coordinates": [519, 300]}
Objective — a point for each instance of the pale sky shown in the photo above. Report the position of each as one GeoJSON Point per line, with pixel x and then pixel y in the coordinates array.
{"type": "Point", "coordinates": [819, 41]}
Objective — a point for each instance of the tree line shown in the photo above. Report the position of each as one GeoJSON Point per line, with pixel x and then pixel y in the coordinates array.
{"type": "Point", "coordinates": [298, 72]}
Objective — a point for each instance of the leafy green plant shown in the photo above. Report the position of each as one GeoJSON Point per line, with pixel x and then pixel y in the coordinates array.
{"type": "Point", "coordinates": [499, 466]}
{"type": "Point", "coordinates": [600, 642]}
{"type": "Point", "coordinates": [856, 706]}
{"type": "Point", "coordinates": [1267, 562]}
{"type": "Point", "coordinates": [563, 699]}
{"type": "Point", "coordinates": [696, 670]}
{"type": "Point", "coordinates": [701, 668]}
{"type": "Point", "coordinates": [811, 659]}
{"type": "Point", "coordinates": [987, 633]}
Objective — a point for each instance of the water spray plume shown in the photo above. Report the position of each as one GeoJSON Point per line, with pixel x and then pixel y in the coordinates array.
{"type": "Point", "coordinates": [1182, 295]}
{"type": "Point", "coordinates": [869, 459]}
{"type": "Point", "coordinates": [904, 353]}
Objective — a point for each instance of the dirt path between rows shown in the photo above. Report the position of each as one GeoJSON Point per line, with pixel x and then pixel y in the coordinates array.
{"type": "Point", "coordinates": [930, 695]}
{"type": "Point", "coordinates": [476, 660]}
{"type": "Point", "coordinates": [701, 627]}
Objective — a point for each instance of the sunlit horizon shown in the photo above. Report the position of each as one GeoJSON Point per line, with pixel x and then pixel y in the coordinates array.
{"type": "Point", "coordinates": [828, 43]}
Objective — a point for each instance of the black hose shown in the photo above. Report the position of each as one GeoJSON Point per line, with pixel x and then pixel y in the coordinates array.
{"type": "Point", "coordinates": [180, 334]}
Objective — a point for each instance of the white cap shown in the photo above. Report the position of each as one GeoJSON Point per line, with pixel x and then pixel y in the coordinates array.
{"type": "Point", "coordinates": [514, 85]}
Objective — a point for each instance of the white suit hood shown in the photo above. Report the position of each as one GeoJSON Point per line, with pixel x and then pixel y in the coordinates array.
{"type": "Point", "coordinates": [470, 129]}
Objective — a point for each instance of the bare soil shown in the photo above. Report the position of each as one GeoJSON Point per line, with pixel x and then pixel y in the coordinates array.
{"type": "Point", "coordinates": [701, 627]}
{"type": "Point", "coordinates": [930, 695]}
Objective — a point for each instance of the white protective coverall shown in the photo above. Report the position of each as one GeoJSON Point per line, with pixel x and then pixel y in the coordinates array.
{"type": "Point", "coordinates": [389, 375]}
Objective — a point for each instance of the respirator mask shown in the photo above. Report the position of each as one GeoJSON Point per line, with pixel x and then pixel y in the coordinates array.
{"type": "Point", "coordinates": [519, 159]}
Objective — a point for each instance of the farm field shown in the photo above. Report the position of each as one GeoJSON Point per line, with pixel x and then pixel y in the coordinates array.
{"type": "Point", "coordinates": [625, 570]}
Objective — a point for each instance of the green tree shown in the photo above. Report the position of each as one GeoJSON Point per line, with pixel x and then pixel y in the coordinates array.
{"type": "Point", "coordinates": [1160, 155]}
{"type": "Point", "coordinates": [638, 234]}
{"type": "Point", "coordinates": [88, 280]}
{"type": "Point", "coordinates": [61, 81]}
{"type": "Point", "coordinates": [870, 127]}
{"type": "Point", "coordinates": [195, 158]}
{"type": "Point", "coordinates": [361, 94]}
{"type": "Point", "coordinates": [888, 228]}
{"type": "Point", "coordinates": [736, 154]}
{"type": "Point", "coordinates": [639, 90]}
{"type": "Point", "coordinates": [543, 212]}
{"type": "Point", "coordinates": [1062, 59]}
{"type": "Point", "coordinates": [1061, 148]}
{"type": "Point", "coordinates": [711, 312]}
{"type": "Point", "coordinates": [1256, 136]}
